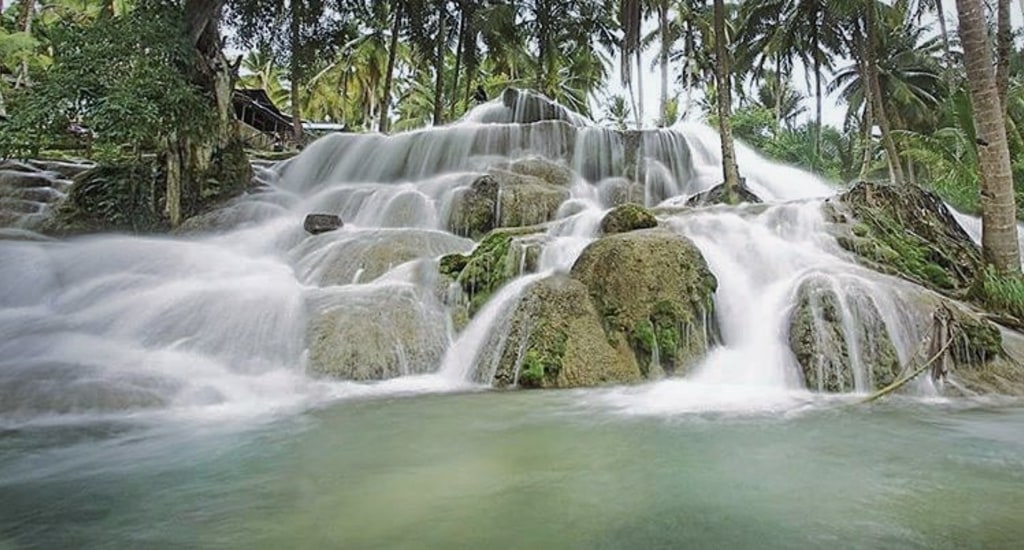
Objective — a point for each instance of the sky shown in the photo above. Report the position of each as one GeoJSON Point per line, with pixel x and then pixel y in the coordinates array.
{"type": "Point", "coordinates": [833, 111]}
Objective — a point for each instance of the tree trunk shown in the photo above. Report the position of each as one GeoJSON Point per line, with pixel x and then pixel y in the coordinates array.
{"type": "Point", "coordinates": [723, 79]}
{"type": "Point", "coordinates": [878, 107]}
{"type": "Point", "coordinates": [998, 210]}
{"type": "Point", "coordinates": [639, 91]}
{"type": "Point", "coordinates": [778, 94]}
{"type": "Point", "coordinates": [947, 53]}
{"type": "Point", "coordinates": [817, 96]}
{"type": "Point", "coordinates": [868, 146]}
{"type": "Point", "coordinates": [385, 103]}
{"type": "Point", "coordinates": [663, 21]}
{"type": "Point", "coordinates": [295, 76]}
{"type": "Point", "coordinates": [460, 43]}
{"type": "Point", "coordinates": [175, 180]}
{"type": "Point", "coordinates": [1004, 41]}
{"type": "Point", "coordinates": [188, 159]}
{"type": "Point", "coordinates": [439, 66]}
{"type": "Point", "coordinates": [27, 11]}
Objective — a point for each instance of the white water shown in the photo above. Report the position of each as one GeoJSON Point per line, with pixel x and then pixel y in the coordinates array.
{"type": "Point", "coordinates": [216, 324]}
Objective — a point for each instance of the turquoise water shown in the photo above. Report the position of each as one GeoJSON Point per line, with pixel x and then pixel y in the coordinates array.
{"type": "Point", "coordinates": [524, 470]}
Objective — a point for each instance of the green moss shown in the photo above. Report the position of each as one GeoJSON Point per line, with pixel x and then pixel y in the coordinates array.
{"type": "Point", "coordinates": [543, 360]}
{"type": "Point", "coordinates": [642, 336]}
{"type": "Point", "coordinates": [908, 231]}
{"type": "Point", "coordinates": [491, 264]}
{"type": "Point", "coordinates": [627, 217]}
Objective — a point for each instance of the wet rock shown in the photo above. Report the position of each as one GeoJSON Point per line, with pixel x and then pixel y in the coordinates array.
{"type": "Point", "coordinates": [556, 340]}
{"type": "Point", "coordinates": [619, 191]}
{"type": "Point", "coordinates": [548, 171]}
{"type": "Point", "coordinates": [627, 217]}
{"type": "Point", "coordinates": [375, 332]}
{"type": "Point", "coordinates": [500, 257]}
{"type": "Point", "coordinates": [837, 340]}
{"type": "Point", "coordinates": [321, 223]}
{"type": "Point", "coordinates": [35, 387]}
{"type": "Point", "coordinates": [655, 294]}
{"type": "Point", "coordinates": [906, 231]}
{"type": "Point", "coordinates": [719, 195]}
{"type": "Point", "coordinates": [363, 256]}
{"type": "Point", "coordinates": [504, 199]}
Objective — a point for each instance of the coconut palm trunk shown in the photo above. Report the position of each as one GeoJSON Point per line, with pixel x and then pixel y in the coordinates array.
{"type": "Point", "coordinates": [439, 65]}
{"type": "Point", "coordinates": [998, 210]}
{"type": "Point", "coordinates": [878, 107]}
{"type": "Point", "coordinates": [1004, 41]}
{"type": "Point", "coordinates": [385, 103]}
{"type": "Point", "coordinates": [663, 22]}
{"type": "Point", "coordinates": [295, 38]}
{"type": "Point", "coordinates": [730, 172]}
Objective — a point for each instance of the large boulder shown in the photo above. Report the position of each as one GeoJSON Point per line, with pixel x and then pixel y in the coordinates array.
{"type": "Point", "coordinates": [905, 231]}
{"type": "Point", "coordinates": [548, 171]}
{"type": "Point", "coordinates": [363, 256]}
{"type": "Point", "coordinates": [555, 340]}
{"type": "Point", "coordinates": [655, 293]}
{"type": "Point", "coordinates": [627, 217]}
{"type": "Point", "coordinates": [839, 338]}
{"type": "Point", "coordinates": [502, 198]}
{"type": "Point", "coordinates": [375, 332]}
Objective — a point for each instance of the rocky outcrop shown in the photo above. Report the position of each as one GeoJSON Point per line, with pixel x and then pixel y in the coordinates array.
{"type": "Point", "coordinates": [363, 256]}
{"type": "Point", "coordinates": [655, 294]}
{"type": "Point", "coordinates": [840, 342]}
{"type": "Point", "coordinates": [28, 194]}
{"type": "Point", "coordinates": [906, 231]}
{"type": "Point", "coordinates": [500, 257]}
{"type": "Point", "coordinates": [504, 199]}
{"type": "Point", "coordinates": [375, 333]}
{"type": "Point", "coordinates": [627, 217]}
{"type": "Point", "coordinates": [556, 340]}
{"type": "Point", "coordinates": [316, 224]}
{"type": "Point", "coordinates": [719, 195]}
{"type": "Point", "coordinates": [619, 191]}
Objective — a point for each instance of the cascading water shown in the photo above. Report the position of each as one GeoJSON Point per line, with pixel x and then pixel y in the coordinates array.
{"type": "Point", "coordinates": [231, 320]}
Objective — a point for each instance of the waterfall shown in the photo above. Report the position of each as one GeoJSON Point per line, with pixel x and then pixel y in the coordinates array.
{"type": "Point", "coordinates": [240, 318]}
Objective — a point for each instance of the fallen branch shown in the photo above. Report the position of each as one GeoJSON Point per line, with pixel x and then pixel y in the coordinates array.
{"type": "Point", "coordinates": [903, 381]}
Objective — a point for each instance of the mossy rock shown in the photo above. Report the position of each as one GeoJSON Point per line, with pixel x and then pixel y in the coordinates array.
{"type": "Point", "coordinates": [719, 195]}
{"type": "Point", "coordinates": [556, 340]}
{"type": "Point", "coordinates": [501, 256]}
{"type": "Point", "coordinates": [906, 231]}
{"type": "Point", "coordinates": [124, 197]}
{"type": "Point", "coordinates": [627, 217]}
{"type": "Point", "coordinates": [652, 288]}
{"type": "Point", "coordinates": [823, 344]}
{"type": "Point", "coordinates": [548, 171]}
{"type": "Point", "coordinates": [504, 199]}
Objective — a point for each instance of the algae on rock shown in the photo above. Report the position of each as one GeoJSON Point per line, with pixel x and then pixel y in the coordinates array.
{"type": "Point", "coordinates": [556, 341]}
{"type": "Point", "coordinates": [502, 198]}
{"type": "Point", "coordinates": [841, 343]}
{"type": "Point", "coordinates": [501, 256]}
{"type": "Point", "coordinates": [655, 293]}
{"type": "Point", "coordinates": [627, 217]}
{"type": "Point", "coordinates": [907, 231]}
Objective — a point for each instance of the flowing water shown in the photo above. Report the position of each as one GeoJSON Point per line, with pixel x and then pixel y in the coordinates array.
{"type": "Point", "coordinates": [156, 391]}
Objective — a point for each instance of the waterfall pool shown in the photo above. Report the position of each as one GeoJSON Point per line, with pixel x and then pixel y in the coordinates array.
{"type": "Point", "coordinates": [559, 469]}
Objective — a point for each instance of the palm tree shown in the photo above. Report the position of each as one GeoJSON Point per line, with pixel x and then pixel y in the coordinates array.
{"type": "Point", "coordinates": [724, 89]}
{"type": "Point", "coordinates": [998, 212]}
